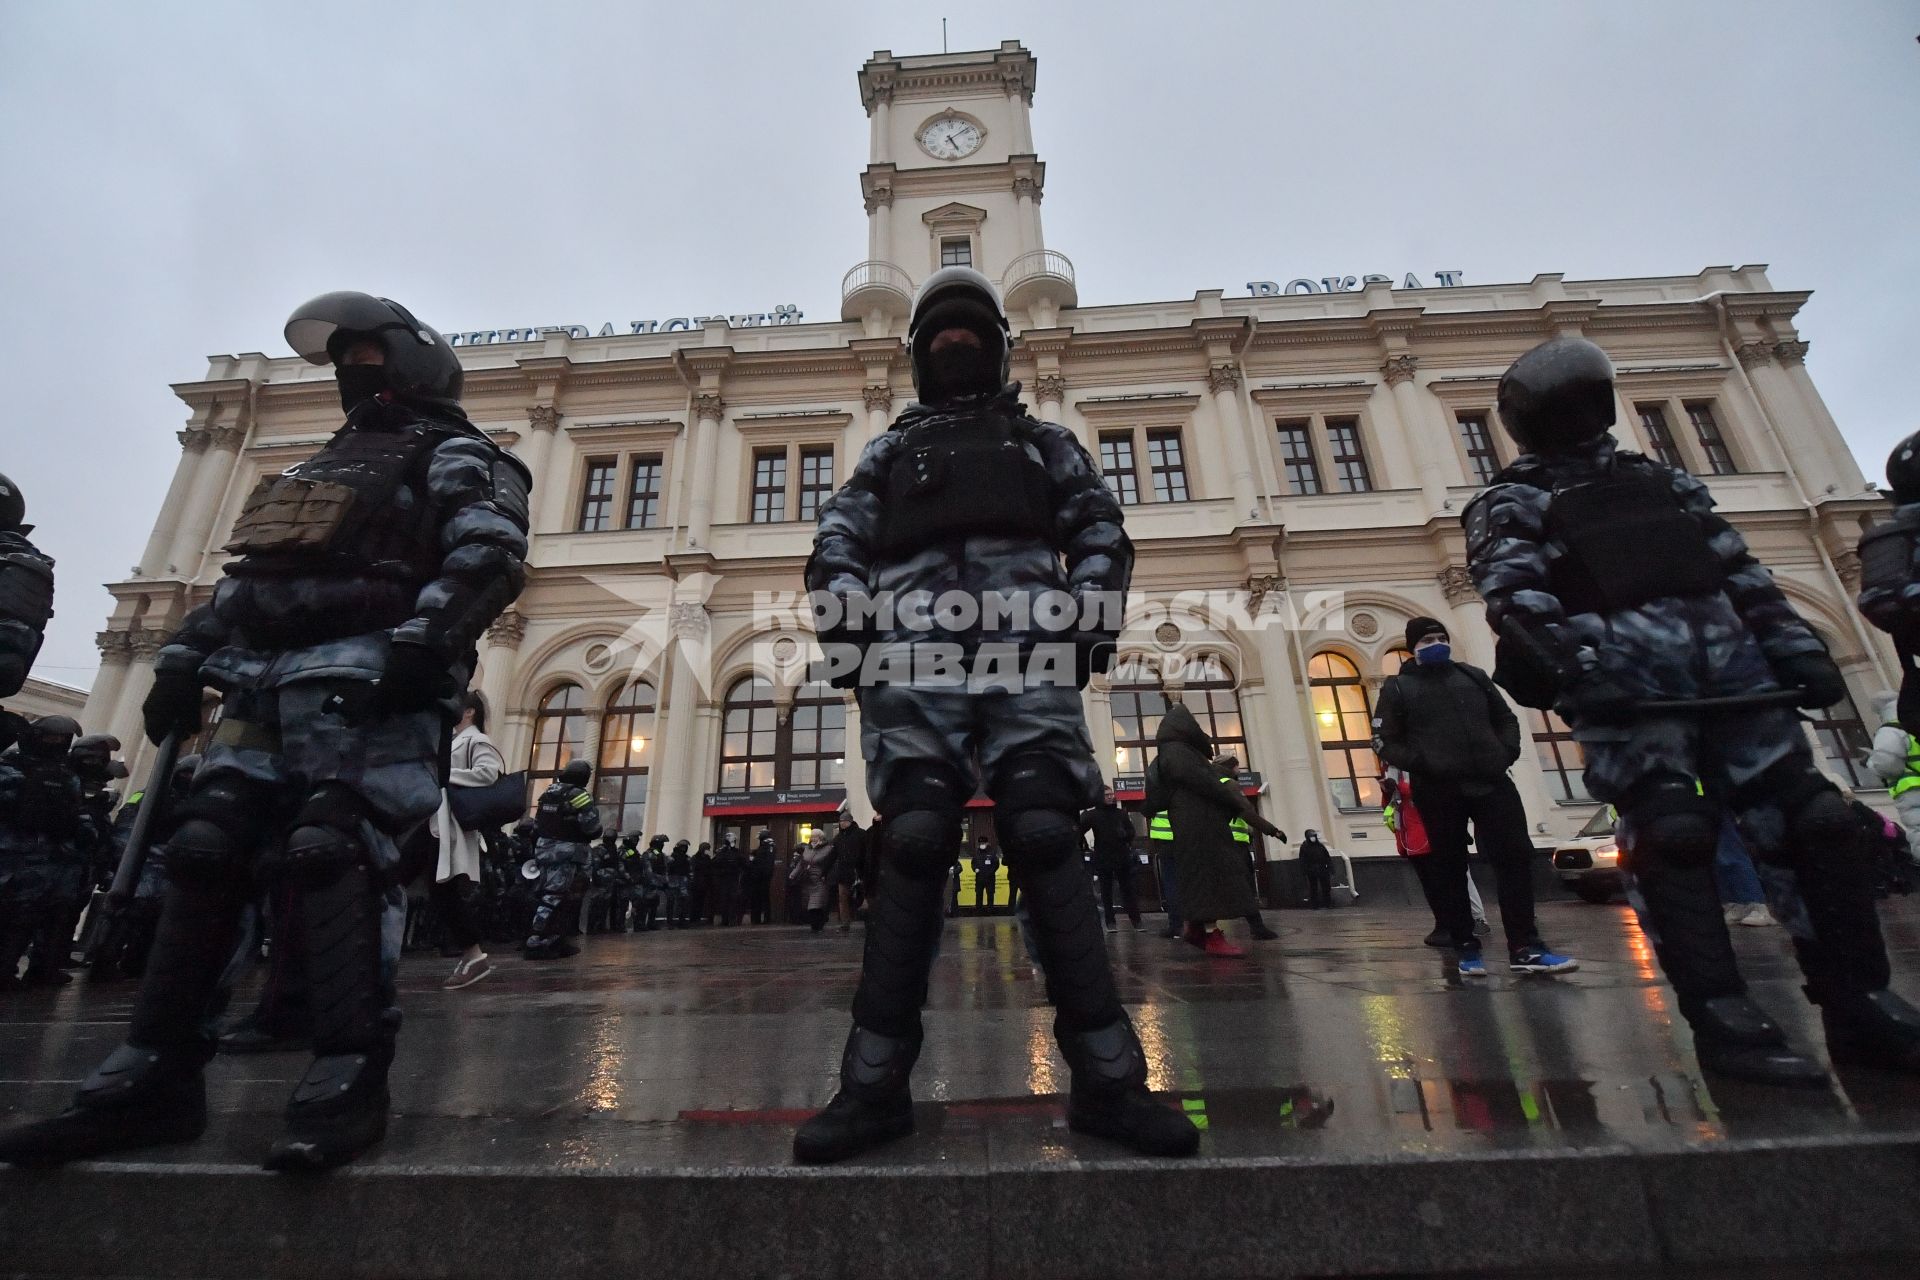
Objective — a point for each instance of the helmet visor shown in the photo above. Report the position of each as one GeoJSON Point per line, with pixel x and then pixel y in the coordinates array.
{"type": "Point", "coordinates": [313, 324]}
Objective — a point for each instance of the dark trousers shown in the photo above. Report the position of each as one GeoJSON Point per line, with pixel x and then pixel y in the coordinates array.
{"type": "Point", "coordinates": [1319, 887]}
{"type": "Point", "coordinates": [759, 900]}
{"type": "Point", "coordinates": [1130, 900]}
{"type": "Point", "coordinates": [817, 919]}
{"type": "Point", "coordinates": [986, 888]}
{"type": "Point", "coordinates": [1500, 832]}
{"type": "Point", "coordinates": [453, 902]}
{"type": "Point", "coordinates": [1169, 891]}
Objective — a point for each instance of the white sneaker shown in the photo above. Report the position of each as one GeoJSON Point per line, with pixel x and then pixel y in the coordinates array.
{"type": "Point", "coordinates": [468, 972]}
{"type": "Point", "coordinates": [1757, 915]}
{"type": "Point", "coordinates": [1734, 912]}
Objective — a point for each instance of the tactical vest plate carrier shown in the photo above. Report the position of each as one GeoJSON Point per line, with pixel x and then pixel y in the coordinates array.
{"type": "Point", "coordinates": [1627, 541]}
{"type": "Point", "coordinates": [957, 477]}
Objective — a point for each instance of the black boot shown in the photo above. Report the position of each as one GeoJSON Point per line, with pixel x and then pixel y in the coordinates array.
{"type": "Point", "coordinates": [873, 1105]}
{"type": "Point", "coordinates": [339, 1108]}
{"type": "Point", "coordinates": [137, 1098]}
{"type": "Point", "coordinates": [1875, 1030]}
{"type": "Point", "coordinates": [1734, 1037]}
{"type": "Point", "coordinates": [1257, 926]}
{"type": "Point", "coordinates": [1110, 1098]}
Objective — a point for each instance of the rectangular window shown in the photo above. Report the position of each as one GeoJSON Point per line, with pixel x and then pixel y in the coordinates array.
{"type": "Point", "coordinates": [1296, 459]}
{"type": "Point", "coordinates": [596, 499]}
{"type": "Point", "coordinates": [1481, 462]}
{"type": "Point", "coordinates": [1116, 465]}
{"type": "Point", "coordinates": [1653, 421]}
{"type": "Point", "coordinates": [956, 253]}
{"type": "Point", "coordinates": [1561, 760]}
{"type": "Point", "coordinates": [1167, 465]}
{"type": "Point", "coordinates": [769, 486]}
{"type": "Point", "coordinates": [1349, 463]}
{"type": "Point", "coordinates": [643, 495]}
{"type": "Point", "coordinates": [816, 480]}
{"type": "Point", "coordinates": [1712, 443]}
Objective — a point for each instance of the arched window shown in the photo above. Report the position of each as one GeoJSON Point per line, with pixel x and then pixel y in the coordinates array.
{"type": "Point", "coordinates": [1138, 700]}
{"type": "Point", "coordinates": [1343, 715]}
{"type": "Point", "coordinates": [1561, 759]}
{"type": "Point", "coordinates": [559, 734]}
{"type": "Point", "coordinates": [626, 753]}
{"type": "Point", "coordinates": [1393, 659]}
{"type": "Point", "coordinates": [748, 750]}
{"type": "Point", "coordinates": [816, 753]}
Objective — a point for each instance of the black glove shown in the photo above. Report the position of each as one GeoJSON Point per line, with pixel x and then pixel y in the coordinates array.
{"type": "Point", "coordinates": [1816, 676]}
{"type": "Point", "coordinates": [416, 677]}
{"type": "Point", "coordinates": [1093, 653]}
{"type": "Point", "coordinates": [172, 706]}
{"type": "Point", "coordinates": [1595, 699]}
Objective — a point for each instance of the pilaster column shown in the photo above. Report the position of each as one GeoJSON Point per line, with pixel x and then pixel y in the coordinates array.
{"type": "Point", "coordinates": [103, 699]}
{"type": "Point", "coordinates": [855, 771]}
{"type": "Point", "coordinates": [1223, 383]}
{"type": "Point", "coordinates": [1096, 704]}
{"type": "Point", "coordinates": [708, 409]}
{"type": "Point", "coordinates": [500, 661]}
{"type": "Point", "coordinates": [126, 723]}
{"type": "Point", "coordinates": [1049, 396]}
{"type": "Point", "coordinates": [193, 449]}
{"type": "Point", "coordinates": [1469, 629]}
{"type": "Point", "coordinates": [882, 139]}
{"type": "Point", "coordinates": [878, 398]}
{"type": "Point", "coordinates": [673, 792]}
{"type": "Point", "coordinates": [543, 423]}
{"type": "Point", "coordinates": [1788, 416]}
{"type": "Point", "coordinates": [1793, 366]}
{"type": "Point", "coordinates": [1026, 199]}
{"type": "Point", "coordinates": [1294, 759]}
{"type": "Point", "coordinates": [210, 479]}
{"type": "Point", "coordinates": [1398, 371]}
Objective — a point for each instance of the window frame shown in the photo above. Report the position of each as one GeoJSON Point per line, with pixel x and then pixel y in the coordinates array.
{"type": "Point", "coordinates": [1660, 444]}
{"type": "Point", "coordinates": [591, 468]}
{"type": "Point", "coordinates": [634, 463]}
{"type": "Point", "coordinates": [1713, 445]}
{"type": "Point", "coordinates": [1344, 747]}
{"type": "Point", "coordinates": [816, 701]}
{"type": "Point", "coordinates": [1468, 453]}
{"type": "Point", "coordinates": [947, 243]}
{"type": "Point", "coordinates": [1358, 458]}
{"type": "Point", "coordinates": [1120, 437]}
{"type": "Point", "coordinates": [617, 756]}
{"type": "Point", "coordinates": [539, 777]}
{"type": "Point", "coordinates": [1304, 429]}
{"type": "Point", "coordinates": [779, 459]}
{"type": "Point", "coordinates": [793, 448]}
{"type": "Point", "coordinates": [816, 490]}
{"type": "Point", "coordinates": [1553, 745]}
{"type": "Point", "coordinates": [1176, 470]}
{"type": "Point", "coordinates": [1138, 698]}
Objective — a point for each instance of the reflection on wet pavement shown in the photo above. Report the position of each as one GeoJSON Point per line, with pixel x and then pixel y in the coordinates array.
{"type": "Point", "coordinates": [1345, 1037]}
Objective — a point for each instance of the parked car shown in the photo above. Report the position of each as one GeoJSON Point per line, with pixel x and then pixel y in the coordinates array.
{"type": "Point", "coordinates": [1588, 862]}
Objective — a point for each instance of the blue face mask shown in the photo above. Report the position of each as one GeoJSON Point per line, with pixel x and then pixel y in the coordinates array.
{"type": "Point", "coordinates": [1435, 654]}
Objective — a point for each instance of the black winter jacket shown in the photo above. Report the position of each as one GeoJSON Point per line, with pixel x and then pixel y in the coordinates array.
{"type": "Point", "coordinates": [1446, 722]}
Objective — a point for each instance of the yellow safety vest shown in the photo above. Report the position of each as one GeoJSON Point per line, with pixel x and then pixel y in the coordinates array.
{"type": "Point", "coordinates": [1242, 833]}
{"type": "Point", "coordinates": [1160, 827]}
{"type": "Point", "coordinates": [1911, 778]}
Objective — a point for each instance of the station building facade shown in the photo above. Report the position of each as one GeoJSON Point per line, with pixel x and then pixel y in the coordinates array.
{"type": "Point", "coordinates": [1309, 443]}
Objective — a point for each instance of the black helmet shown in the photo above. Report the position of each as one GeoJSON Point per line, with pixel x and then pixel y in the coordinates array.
{"type": "Point", "coordinates": [92, 755]}
{"type": "Point", "coordinates": [1558, 395]}
{"type": "Point", "coordinates": [13, 506]}
{"type": "Point", "coordinates": [576, 773]}
{"type": "Point", "coordinates": [958, 298]}
{"type": "Point", "coordinates": [1903, 470]}
{"type": "Point", "coordinates": [419, 363]}
{"type": "Point", "coordinates": [51, 736]}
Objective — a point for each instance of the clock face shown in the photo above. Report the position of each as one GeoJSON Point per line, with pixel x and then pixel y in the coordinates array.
{"type": "Point", "coordinates": [950, 137]}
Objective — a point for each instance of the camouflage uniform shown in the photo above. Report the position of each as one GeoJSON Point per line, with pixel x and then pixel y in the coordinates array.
{"type": "Point", "coordinates": [569, 823]}
{"type": "Point", "coordinates": [44, 829]}
{"type": "Point", "coordinates": [1755, 763]}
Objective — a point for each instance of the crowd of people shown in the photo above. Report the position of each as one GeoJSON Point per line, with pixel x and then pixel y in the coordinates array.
{"type": "Point", "coordinates": [350, 759]}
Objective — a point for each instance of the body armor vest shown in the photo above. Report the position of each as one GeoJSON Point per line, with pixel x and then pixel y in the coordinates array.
{"type": "Point", "coordinates": [26, 583]}
{"type": "Point", "coordinates": [1627, 541]}
{"type": "Point", "coordinates": [50, 801]}
{"type": "Point", "coordinates": [959, 477]}
{"type": "Point", "coordinates": [557, 815]}
{"type": "Point", "coordinates": [359, 504]}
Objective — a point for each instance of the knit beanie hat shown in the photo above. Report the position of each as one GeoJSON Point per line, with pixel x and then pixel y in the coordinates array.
{"type": "Point", "coordinates": [1420, 628]}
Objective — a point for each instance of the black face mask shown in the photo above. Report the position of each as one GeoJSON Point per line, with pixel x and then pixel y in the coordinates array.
{"type": "Point", "coordinates": [359, 383]}
{"type": "Point", "coordinates": [964, 371]}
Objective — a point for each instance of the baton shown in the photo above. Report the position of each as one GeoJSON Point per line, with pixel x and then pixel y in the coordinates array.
{"type": "Point", "coordinates": [1732, 702]}
{"type": "Point", "coordinates": [133, 858]}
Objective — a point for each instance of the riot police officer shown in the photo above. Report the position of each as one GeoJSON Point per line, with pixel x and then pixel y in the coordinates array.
{"type": "Point", "coordinates": [44, 830]}
{"type": "Point", "coordinates": [341, 635]}
{"type": "Point", "coordinates": [1890, 574]}
{"type": "Point", "coordinates": [568, 822]}
{"type": "Point", "coordinates": [1616, 588]}
{"type": "Point", "coordinates": [26, 602]}
{"type": "Point", "coordinates": [90, 864]}
{"type": "Point", "coordinates": [1004, 523]}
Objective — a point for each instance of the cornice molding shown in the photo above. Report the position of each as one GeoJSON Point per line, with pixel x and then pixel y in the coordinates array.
{"type": "Point", "coordinates": [1134, 408]}
{"type": "Point", "coordinates": [764, 425]}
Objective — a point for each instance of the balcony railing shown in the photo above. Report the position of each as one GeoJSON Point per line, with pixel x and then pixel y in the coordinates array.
{"type": "Point", "coordinates": [1046, 275]}
{"type": "Point", "coordinates": [874, 284]}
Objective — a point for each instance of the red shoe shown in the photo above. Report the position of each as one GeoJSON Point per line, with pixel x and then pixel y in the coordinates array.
{"type": "Point", "coordinates": [1217, 945]}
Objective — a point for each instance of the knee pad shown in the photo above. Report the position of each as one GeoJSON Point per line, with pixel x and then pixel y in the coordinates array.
{"type": "Point", "coordinates": [324, 842]}
{"type": "Point", "coordinates": [925, 785]}
{"type": "Point", "coordinates": [1037, 803]}
{"type": "Point", "coordinates": [219, 827]}
{"type": "Point", "coordinates": [1673, 823]}
{"type": "Point", "coordinates": [1822, 820]}
{"type": "Point", "coordinates": [921, 843]}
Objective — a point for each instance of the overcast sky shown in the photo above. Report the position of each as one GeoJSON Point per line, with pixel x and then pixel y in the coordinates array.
{"type": "Point", "coordinates": [178, 177]}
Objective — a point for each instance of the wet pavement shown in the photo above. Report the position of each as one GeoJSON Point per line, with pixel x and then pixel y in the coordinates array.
{"type": "Point", "coordinates": [1345, 1044]}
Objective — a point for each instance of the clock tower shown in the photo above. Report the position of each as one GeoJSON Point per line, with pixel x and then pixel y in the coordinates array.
{"type": "Point", "coordinates": [953, 179]}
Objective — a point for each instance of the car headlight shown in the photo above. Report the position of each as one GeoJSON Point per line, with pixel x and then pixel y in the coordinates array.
{"type": "Point", "coordinates": [1607, 852]}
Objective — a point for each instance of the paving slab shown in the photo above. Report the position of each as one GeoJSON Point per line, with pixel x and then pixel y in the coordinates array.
{"type": "Point", "coordinates": [1366, 1112]}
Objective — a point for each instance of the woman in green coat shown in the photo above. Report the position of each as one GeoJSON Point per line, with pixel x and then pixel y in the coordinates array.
{"type": "Point", "coordinates": [1210, 868]}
